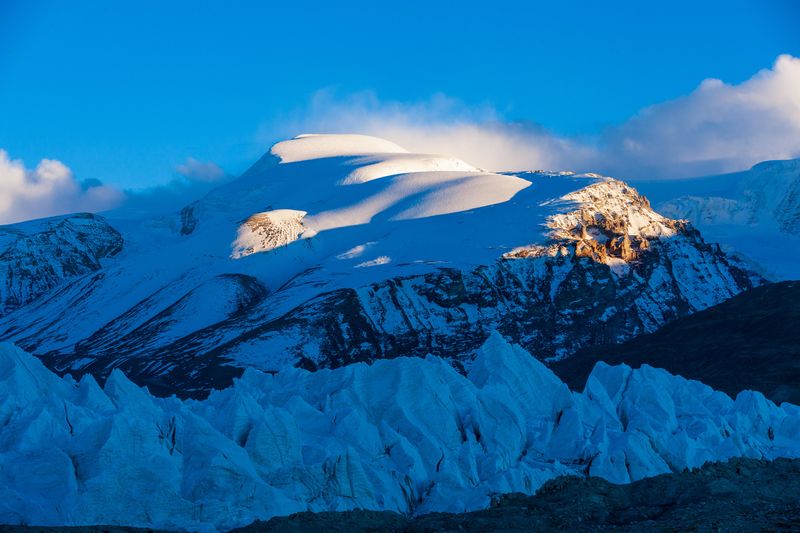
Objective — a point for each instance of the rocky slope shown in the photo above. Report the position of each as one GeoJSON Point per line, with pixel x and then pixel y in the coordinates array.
{"type": "Point", "coordinates": [36, 257]}
{"type": "Point", "coordinates": [409, 435]}
{"type": "Point", "coordinates": [337, 249]}
{"type": "Point", "coordinates": [748, 342]}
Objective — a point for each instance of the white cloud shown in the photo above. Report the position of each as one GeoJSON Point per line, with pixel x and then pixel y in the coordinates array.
{"type": "Point", "coordinates": [49, 189]}
{"type": "Point", "coordinates": [717, 128]}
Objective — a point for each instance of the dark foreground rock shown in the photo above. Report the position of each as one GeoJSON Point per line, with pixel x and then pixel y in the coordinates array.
{"type": "Point", "coordinates": [739, 495]}
{"type": "Point", "coordinates": [78, 529]}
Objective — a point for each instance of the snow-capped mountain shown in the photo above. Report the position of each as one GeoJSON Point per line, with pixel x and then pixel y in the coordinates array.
{"type": "Point", "coordinates": [755, 213]}
{"type": "Point", "coordinates": [335, 249]}
{"type": "Point", "coordinates": [410, 435]}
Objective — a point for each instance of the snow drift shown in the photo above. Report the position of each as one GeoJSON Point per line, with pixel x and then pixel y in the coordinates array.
{"type": "Point", "coordinates": [409, 434]}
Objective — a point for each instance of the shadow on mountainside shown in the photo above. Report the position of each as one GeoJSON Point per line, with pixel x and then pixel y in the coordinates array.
{"type": "Point", "coordinates": [751, 341]}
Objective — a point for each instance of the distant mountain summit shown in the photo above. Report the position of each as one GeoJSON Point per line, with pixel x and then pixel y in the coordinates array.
{"type": "Point", "coordinates": [754, 213]}
{"type": "Point", "coordinates": [334, 249]}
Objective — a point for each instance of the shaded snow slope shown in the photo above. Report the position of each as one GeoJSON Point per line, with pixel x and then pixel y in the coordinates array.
{"type": "Point", "coordinates": [350, 249]}
{"type": "Point", "coordinates": [410, 435]}
{"type": "Point", "coordinates": [755, 213]}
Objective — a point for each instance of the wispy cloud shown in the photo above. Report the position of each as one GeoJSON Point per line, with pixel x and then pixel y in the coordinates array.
{"type": "Point", "coordinates": [440, 125]}
{"type": "Point", "coordinates": [717, 128]}
{"type": "Point", "coordinates": [191, 181]}
{"type": "Point", "coordinates": [204, 171]}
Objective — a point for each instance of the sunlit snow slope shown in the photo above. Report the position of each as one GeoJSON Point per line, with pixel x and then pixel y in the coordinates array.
{"type": "Point", "coordinates": [410, 435]}
{"type": "Point", "coordinates": [335, 249]}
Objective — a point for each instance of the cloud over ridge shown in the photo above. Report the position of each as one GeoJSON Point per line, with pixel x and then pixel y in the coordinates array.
{"type": "Point", "coordinates": [717, 128]}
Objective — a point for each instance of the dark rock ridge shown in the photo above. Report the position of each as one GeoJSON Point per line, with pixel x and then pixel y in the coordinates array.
{"type": "Point", "coordinates": [748, 342]}
{"type": "Point", "coordinates": [36, 257]}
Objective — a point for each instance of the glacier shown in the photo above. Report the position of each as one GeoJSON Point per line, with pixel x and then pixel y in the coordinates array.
{"type": "Point", "coordinates": [411, 435]}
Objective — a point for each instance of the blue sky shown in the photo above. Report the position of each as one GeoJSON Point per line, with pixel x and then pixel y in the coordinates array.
{"type": "Point", "coordinates": [125, 92]}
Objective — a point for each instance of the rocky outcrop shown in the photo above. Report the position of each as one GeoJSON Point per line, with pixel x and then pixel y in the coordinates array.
{"type": "Point", "coordinates": [266, 231]}
{"type": "Point", "coordinates": [38, 256]}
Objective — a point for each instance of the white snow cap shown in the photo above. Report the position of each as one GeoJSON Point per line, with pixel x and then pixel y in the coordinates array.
{"type": "Point", "coordinates": [317, 146]}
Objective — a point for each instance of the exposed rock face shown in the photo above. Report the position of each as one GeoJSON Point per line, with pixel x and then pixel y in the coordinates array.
{"type": "Point", "coordinates": [148, 342]}
{"type": "Point", "coordinates": [189, 219]}
{"type": "Point", "coordinates": [552, 305]}
{"type": "Point", "coordinates": [613, 269]}
{"type": "Point", "coordinates": [266, 231]}
{"type": "Point", "coordinates": [35, 257]}
{"type": "Point", "coordinates": [612, 223]}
